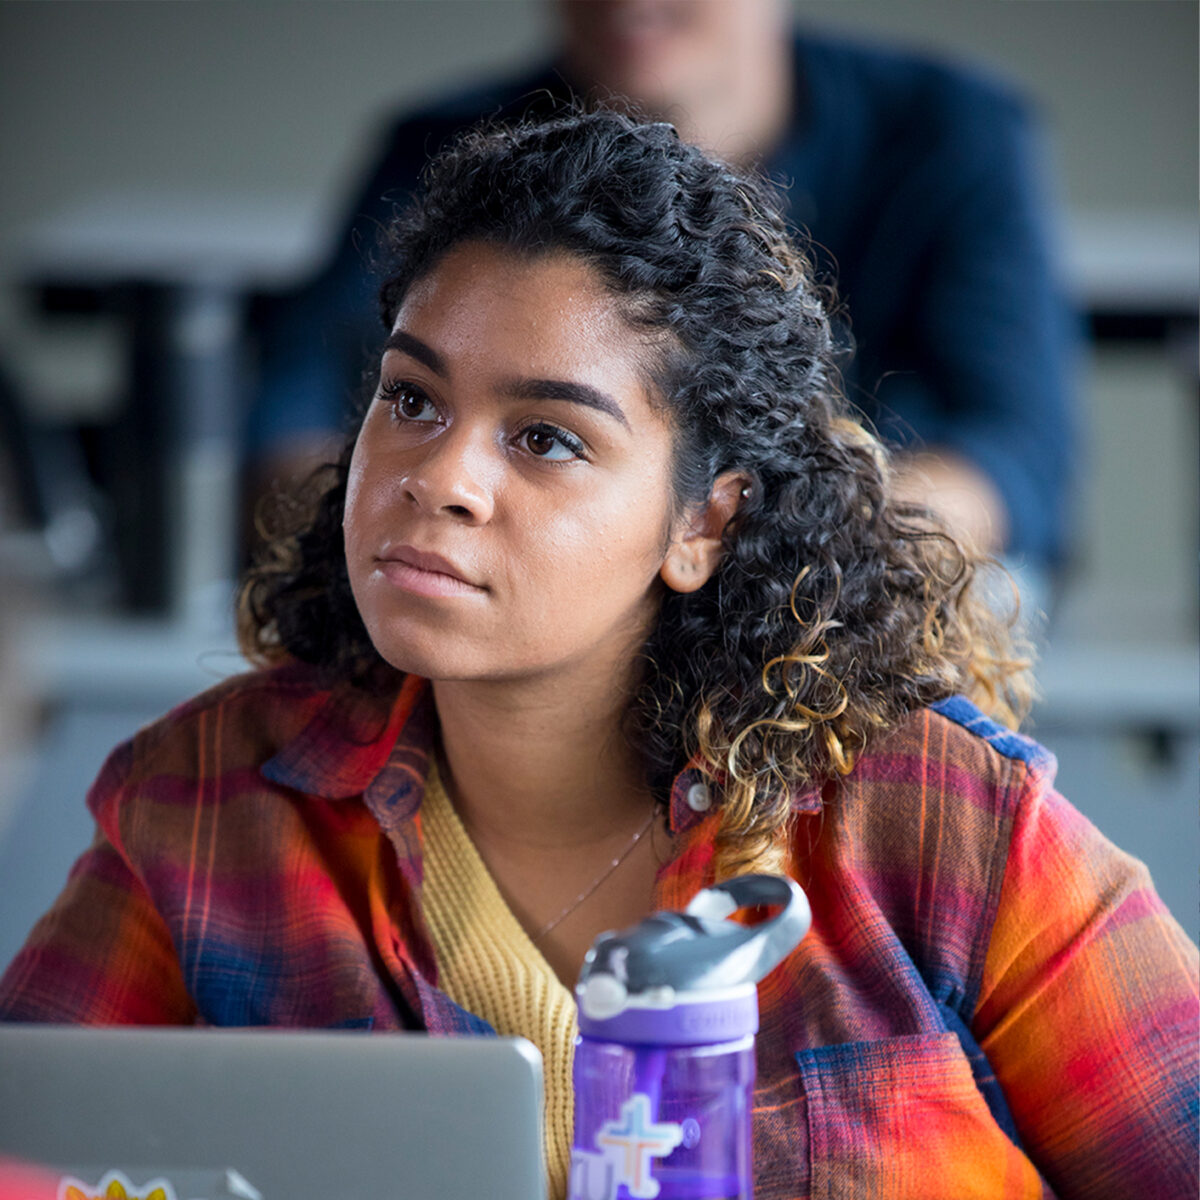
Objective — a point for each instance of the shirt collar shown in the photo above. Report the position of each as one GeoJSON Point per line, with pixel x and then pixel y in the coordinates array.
{"type": "Point", "coordinates": [356, 742]}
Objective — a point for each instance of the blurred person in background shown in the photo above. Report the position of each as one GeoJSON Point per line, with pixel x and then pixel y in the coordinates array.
{"type": "Point", "coordinates": [918, 182]}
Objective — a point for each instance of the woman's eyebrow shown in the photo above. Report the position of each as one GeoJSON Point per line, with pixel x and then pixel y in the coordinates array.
{"type": "Point", "coordinates": [515, 389]}
{"type": "Point", "coordinates": [563, 389]}
{"type": "Point", "coordinates": [415, 348]}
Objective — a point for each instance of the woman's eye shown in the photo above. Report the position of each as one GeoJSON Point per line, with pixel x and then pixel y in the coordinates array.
{"type": "Point", "coordinates": [408, 402]}
{"type": "Point", "coordinates": [549, 442]}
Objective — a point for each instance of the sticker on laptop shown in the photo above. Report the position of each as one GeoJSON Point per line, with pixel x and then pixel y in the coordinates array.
{"type": "Point", "coordinates": [116, 1185]}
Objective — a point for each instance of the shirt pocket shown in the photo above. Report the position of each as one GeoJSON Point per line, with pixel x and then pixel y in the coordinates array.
{"type": "Point", "coordinates": [903, 1117]}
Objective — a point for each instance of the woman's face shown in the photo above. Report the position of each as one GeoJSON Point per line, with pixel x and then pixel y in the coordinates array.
{"type": "Point", "coordinates": [508, 506]}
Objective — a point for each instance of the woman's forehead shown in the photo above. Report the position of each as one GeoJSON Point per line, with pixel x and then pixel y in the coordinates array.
{"type": "Point", "coordinates": [524, 312]}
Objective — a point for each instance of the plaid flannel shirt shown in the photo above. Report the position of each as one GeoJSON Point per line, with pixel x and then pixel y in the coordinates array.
{"type": "Point", "coordinates": [992, 1000]}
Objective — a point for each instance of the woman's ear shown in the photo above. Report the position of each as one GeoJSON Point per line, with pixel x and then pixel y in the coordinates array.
{"type": "Point", "coordinates": [695, 551]}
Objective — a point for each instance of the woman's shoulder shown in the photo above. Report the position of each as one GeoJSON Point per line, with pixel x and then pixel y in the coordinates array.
{"type": "Point", "coordinates": [933, 807]}
{"type": "Point", "coordinates": [229, 734]}
{"type": "Point", "coordinates": [953, 748]}
{"type": "Point", "coordinates": [979, 730]}
{"type": "Point", "coordinates": [261, 708]}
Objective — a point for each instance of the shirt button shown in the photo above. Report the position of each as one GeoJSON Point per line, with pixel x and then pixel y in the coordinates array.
{"type": "Point", "coordinates": [698, 797]}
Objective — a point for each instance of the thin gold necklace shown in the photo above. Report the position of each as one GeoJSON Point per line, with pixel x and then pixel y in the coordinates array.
{"type": "Point", "coordinates": [587, 891]}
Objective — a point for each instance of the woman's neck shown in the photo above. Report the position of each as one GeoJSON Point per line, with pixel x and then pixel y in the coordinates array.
{"type": "Point", "coordinates": [555, 800]}
{"type": "Point", "coordinates": [542, 765]}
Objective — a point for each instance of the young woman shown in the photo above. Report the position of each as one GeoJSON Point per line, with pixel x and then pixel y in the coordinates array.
{"type": "Point", "coordinates": [607, 598]}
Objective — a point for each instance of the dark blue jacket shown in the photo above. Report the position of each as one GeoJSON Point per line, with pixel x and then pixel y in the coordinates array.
{"type": "Point", "coordinates": [920, 185]}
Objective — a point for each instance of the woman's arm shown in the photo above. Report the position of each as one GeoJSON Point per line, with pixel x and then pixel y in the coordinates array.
{"type": "Point", "coordinates": [1089, 1011]}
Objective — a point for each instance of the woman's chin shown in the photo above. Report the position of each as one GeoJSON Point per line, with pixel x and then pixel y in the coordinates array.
{"type": "Point", "coordinates": [429, 663]}
{"type": "Point", "coordinates": [441, 660]}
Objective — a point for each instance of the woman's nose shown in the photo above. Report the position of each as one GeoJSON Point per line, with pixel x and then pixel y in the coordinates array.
{"type": "Point", "coordinates": [452, 478]}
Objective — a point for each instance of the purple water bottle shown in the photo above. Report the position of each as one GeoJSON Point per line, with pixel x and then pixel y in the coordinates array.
{"type": "Point", "coordinates": [664, 1064]}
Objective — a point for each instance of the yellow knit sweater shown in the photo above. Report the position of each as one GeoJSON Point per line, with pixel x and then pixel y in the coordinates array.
{"type": "Point", "coordinates": [488, 964]}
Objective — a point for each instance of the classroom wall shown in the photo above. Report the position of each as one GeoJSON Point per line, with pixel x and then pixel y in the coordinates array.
{"type": "Point", "coordinates": [280, 97]}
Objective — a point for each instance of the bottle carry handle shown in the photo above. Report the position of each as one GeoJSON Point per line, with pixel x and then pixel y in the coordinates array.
{"type": "Point", "coordinates": [757, 949]}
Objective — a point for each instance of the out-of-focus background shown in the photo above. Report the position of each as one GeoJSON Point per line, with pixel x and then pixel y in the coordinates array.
{"type": "Point", "coordinates": [163, 164]}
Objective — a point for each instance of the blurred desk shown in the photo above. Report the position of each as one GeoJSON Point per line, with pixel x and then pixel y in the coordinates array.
{"type": "Point", "coordinates": [179, 267]}
{"type": "Point", "coordinates": [1121, 685]}
{"type": "Point", "coordinates": [1134, 262]}
{"type": "Point", "coordinates": [123, 662]}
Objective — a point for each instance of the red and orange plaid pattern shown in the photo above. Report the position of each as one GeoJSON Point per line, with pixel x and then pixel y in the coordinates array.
{"type": "Point", "coordinates": [992, 1000]}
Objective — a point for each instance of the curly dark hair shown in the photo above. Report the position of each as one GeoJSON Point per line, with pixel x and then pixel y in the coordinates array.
{"type": "Point", "coordinates": [835, 611]}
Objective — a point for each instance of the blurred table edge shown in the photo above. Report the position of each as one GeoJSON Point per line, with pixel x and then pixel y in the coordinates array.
{"type": "Point", "coordinates": [98, 660]}
{"type": "Point", "coordinates": [111, 661]}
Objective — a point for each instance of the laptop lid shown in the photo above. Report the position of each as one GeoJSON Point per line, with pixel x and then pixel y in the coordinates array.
{"type": "Point", "coordinates": [264, 1114]}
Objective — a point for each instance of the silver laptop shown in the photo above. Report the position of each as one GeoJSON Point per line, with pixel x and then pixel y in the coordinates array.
{"type": "Point", "coordinates": [273, 1115]}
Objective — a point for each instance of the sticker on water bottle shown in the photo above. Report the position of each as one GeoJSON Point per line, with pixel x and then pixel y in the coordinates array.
{"type": "Point", "coordinates": [623, 1152]}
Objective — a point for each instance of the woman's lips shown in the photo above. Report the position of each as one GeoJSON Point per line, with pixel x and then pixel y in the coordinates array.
{"type": "Point", "coordinates": [424, 573]}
